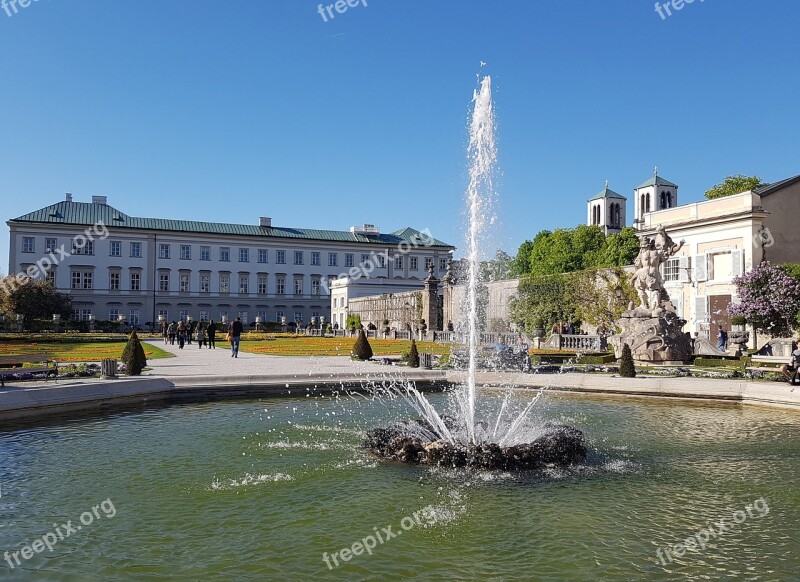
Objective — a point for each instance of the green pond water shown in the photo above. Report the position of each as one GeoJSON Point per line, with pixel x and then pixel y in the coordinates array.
{"type": "Point", "coordinates": [265, 489]}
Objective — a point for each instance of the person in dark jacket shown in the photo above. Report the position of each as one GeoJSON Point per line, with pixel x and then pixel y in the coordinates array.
{"type": "Point", "coordinates": [235, 331]}
{"type": "Point", "coordinates": [211, 332]}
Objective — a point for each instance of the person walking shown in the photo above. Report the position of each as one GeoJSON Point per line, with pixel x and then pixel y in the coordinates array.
{"type": "Point", "coordinates": [164, 331]}
{"type": "Point", "coordinates": [790, 370]}
{"type": "Point", "coordinates": [190, 332]}
{"type": "Point", "coordinates": [235, 334]}
{"type": "Point", "coordinates": [171, 331]}
{"type": "Point", "coordinates": [722, 339]}
{"type": "Point", "coordinates": [201, 335]}
{"type": "Point", "coordinates": [181, 334]}
{"type": "Point", "coordinates": [211, 332]}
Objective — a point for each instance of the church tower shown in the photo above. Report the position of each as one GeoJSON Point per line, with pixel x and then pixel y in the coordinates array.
{"type": "Point", "coordinates": [655, 194]}
{"type": "Point", "coordinates": [607, 210]}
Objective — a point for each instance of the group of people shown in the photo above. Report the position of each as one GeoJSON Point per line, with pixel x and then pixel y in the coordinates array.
{"type": "Point", "coordinates": [205, 334]}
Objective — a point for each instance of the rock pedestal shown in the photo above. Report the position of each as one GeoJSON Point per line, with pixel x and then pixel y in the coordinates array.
{"type": "Point", "coordinates": [654, 336]}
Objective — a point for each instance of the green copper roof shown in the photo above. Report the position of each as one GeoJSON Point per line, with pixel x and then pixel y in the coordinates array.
{"type": "Point", "coordinates": [87, 214]}
{"type": "Point", "coordinates": [656, 180]}
{"type": "Point", "coordinates": [607, 193]}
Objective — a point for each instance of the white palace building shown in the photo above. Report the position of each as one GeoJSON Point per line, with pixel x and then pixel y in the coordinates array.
{"type": "Point", "coordinates": [117, 266]}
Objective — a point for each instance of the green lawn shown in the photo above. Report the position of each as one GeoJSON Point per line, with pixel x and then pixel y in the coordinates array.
{"type": "Point", "coordinates": [77, 352]}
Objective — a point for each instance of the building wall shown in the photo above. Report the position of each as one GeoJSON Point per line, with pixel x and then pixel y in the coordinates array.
{"type": "Point", "coordinates": [782, 222]}
{"type": "Point", "coordinates": [346, 295]}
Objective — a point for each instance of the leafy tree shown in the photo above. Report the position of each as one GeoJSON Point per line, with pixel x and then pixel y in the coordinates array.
{"type": "Point", "coordinates": [496, 269]}
{"type": "Point", "coordinates": [769, 300]}
{"type": "Point", "coordinates": [521, 264]}
{"type": "Point", "coordinates": [566, 250]}
{"type": "Point", "coordinates": [620, 249]}
{"type": "Point", "coordinates": [734, 185]}
{"type": "Point", "coordinates": [540, 302]}
{"type": "Point", "coordinates": [791, 269]}
{"type": "Point", "coordinates": [626, 366]}
{"type": "Point", "coordinates": [33, 298]}
{"type": "Point", "coordinates": [413, 355]}
{"type": "Point", "coordinates": [133, 356]}
{"type": "Point", "coordinates": [592, 295]}
{"type": "Point", "coordinates": [361, 349]}
{"type": "Point", "coordinates": [353, 322]}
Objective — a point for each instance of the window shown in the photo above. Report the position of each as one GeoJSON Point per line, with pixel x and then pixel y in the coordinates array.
{"type": "Point", "coordinates": [298, 286]}
{"type": "Point", "coordinates": [224, 283]}
{"type": "Point", "coordinates": [298, 316]}
{"type": "Point", "coordinates": [244, 255]}
{"type": "Point", "coordinates": [224, 254]}
{"type": "Point", "coordinates": [243, 316]}
{"type": "Point", "coordinates": [82, 279]}
{"type": "Point", "coordinates": [113, 282]}
{"type": "Point", "coordinates": [136, 250]}
{"type": "Point", "coordinates": [244, 284]}
{"type": "Point", "coordinates": [333, 259]}
{"type": "Point", "coordinates": [263, 256]}
{"type": "Point", "coordinates": [50, 276]}
{"type": "Point", "coordinates": [349, 260]}
{"type": "Point", "coordinates": [412, 263]}
{"type": "Point", "coordinates": [136, 281]}
{"type": "Point", "coordinates": [280, 257]}
{"type": "Point", "coordinates": [50, 245]}
{"type": "Point", "coordinates": [262, 284]}
{"type": "Point", "coordinates": [28, 244]}
{"type": "Point", "coordinates": [442, 264]}
{"type": "Point", "coordinates": [280, 285]}
{"type": "Point", "coordinates": [205, 253]}
{"type": "Point", "coordinates": [364, 259]}
{"type": "Point", "coordinates": [721, 265]}
{"type": "Point", "coordinates": [81, 246]}
{"type": "Point", "coordinates": [298, 257]}
{"type": "Point", "coordinates": [163, 251]}
{"type": "Point", "coordinates": [428, 263]}
{"type": "Point", "coordinates": [133, 317]}
{"type": "Point", "coordinates": [205, 283]}
{"type": "Point", "coordinates": [113, 314]}
{"type": "Point", "coordinates": [164, 314]}
{"type": "Point", "coordinates": [186, 252]}
{"type": "Point", "coordinates": [262, 315]}
{"type": "Point", "coordinates": [279, 315]}
{"type": "Point", "coordinates": [315, 287]}
{"type": "Point", "coordinates": [204, 315]}
{"type": "Point", "coordinates": [183, 314]}
{"type": "Point", "coordinates": [184, 283]}
{"type": "Point", "coordinates": [672, 270]}
{"type": "Point", "coordinates": [398, 262]}
{"type": "Point", "coordinates": [115, 248]}
{"type": "Point", "coordinates": [163, 282]}
{"type": "Point", "coordinates": [315, 258]}
{"type": "Point", "coordinates": [381, 261]}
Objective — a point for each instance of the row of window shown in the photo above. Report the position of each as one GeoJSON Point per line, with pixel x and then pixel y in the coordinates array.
{"type": "Point", "coordinates": [80, 246]}
{"type": "Point", "coordinates": [85, 280]}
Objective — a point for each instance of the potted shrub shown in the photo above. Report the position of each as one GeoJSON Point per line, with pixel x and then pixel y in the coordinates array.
{"type": "Point", "coordinates": [361, 349]}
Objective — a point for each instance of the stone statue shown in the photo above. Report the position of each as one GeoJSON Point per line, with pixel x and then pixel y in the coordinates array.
{"type": "Point", "coordinates": [647, 280]}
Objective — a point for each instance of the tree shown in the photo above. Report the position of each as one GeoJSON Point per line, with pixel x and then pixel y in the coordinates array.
{"type": "Point", "coordinates": [521, 264]}
{"type": "Point", "coordinates": [626, 366]}
{"type": "Point", "coordinates": [567, 250]}
{"type": "Point", "coordinates": [496, 269]}
{"type": "Point", "coordinates": [353, 321]}
{"type": "Point", "coordinates": [413, 355]}
{"type": "Point", "coordinates": [540, 302]}
{"type": "Point", "coordinates": [361, 349]}
{"type": "Point", "coordinates": [592, 295]}
{"type": "Point", "coordinates": [734, 185]}
{"type": "Point", "coordinates": [769, 300]}
{"type": "Point", "coordinates": [620, 249]}
{"type": "Point", "coordinates": [133, 356]}
{"type": "Point", "coordinates": [33, 299]}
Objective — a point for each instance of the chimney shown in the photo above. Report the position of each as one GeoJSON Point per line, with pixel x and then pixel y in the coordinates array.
{"type": "Point", "coordinates": [265, 221]}
{"type": "Point", "coordinates": [99, 200]}
{"type": "Point", "coordinates": [69, 197]}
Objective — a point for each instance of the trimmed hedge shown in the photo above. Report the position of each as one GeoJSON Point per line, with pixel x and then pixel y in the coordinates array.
{"type": "Point", "coordinates": [721, 363]}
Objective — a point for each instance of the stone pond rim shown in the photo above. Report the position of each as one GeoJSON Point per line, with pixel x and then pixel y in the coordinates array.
{"type": "Point", "coordinates": [558, 446]}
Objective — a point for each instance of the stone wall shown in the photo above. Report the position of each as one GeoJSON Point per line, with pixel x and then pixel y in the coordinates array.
{"type": "Point", "coordinates": [401, 309]}
{"type": "Point", "coordinates": [495, 295]}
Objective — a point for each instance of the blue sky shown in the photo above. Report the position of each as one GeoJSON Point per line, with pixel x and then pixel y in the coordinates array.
{"type": "Point", "coordinates": [226, 111]}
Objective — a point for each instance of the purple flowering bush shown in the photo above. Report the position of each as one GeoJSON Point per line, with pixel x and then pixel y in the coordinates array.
{"type": "Point", "coordinates": [769, 300]}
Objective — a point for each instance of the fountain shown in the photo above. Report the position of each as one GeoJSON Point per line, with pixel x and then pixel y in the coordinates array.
{"type": "Point", "coordinates": [515, 441]}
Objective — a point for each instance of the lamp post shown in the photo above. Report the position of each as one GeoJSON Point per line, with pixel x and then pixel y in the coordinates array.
{"type": "Point", "coordinates": [258, 322]}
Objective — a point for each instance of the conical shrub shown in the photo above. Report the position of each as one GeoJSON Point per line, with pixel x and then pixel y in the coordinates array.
{"type": "Point", "coordinates": [626, 367]}
{"type": "Point", "coordinates": [413, 355]}
{"type": "Point", "coordinates": [133, 356]}
{"type": "Point", "coordinates": [361, 349]}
